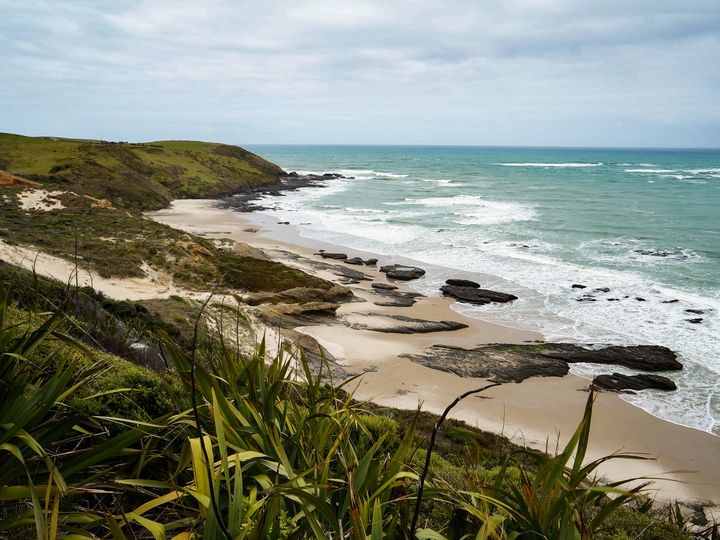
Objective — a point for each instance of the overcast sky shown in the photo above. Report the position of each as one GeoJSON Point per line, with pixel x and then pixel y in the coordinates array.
{"type": "Point", "coordinates": [485, 72]}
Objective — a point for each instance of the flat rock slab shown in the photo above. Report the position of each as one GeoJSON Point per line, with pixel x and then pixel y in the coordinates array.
{"type": "Point", "coordinates": [384, 286]}
{"type": "Point", "coordinates": [336, 256]}
{"type": "Point", "coordinates": [515, 363]}
{"type": "Point", "coordinates": [402, 272]}
{"type": "Point", "coordinates": [462, 283]}
{"type": "Point", "coordinates": [399, 324]}
{"type": "Point", "coordinates": [645, 381]}
{"type": "Point", "coordinates": [474, 295]}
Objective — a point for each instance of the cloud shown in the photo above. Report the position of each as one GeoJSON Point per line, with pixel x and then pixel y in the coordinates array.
{"type": "Point", "coordinates": [456, 72]}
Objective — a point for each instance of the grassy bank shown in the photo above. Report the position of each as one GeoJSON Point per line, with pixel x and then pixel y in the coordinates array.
{"type": "Point", "coordinates": [135, 176]}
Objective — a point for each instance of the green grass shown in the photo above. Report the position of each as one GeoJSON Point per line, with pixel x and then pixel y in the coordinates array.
{"type": "Point", "coordinates": [115, 243]}
{"type": "Point", "coordinates": [138, 176]}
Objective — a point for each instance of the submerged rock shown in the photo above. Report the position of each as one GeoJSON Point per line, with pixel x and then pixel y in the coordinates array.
{"type": "Point", "coordinates": [402, 272]}
{"type": "Point", "coordinates": [645, 381]}
{"type": "Point", "coordinates": [474, 295]}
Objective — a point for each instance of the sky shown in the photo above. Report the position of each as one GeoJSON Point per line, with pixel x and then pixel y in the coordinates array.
{"type": "Point", "coordinates": [618, 73]}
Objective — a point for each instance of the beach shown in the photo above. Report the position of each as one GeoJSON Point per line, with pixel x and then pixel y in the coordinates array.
{"type": "Point", "coordinates": [540, 412]}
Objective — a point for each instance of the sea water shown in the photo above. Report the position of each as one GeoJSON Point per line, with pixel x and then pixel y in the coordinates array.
{"type": "Point", "coordinates": [533, 222]}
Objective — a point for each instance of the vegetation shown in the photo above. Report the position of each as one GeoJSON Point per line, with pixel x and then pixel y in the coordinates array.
{"type": "Point", "coordinates": [116, 243]}
{"type": "Point", "coordinates": [227, 445]}
{"type": "Point", "coordinates": [140, 176]}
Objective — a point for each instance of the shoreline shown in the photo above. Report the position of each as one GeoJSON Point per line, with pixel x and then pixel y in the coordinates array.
{"type": "Point", "coordinates": [539, 412]}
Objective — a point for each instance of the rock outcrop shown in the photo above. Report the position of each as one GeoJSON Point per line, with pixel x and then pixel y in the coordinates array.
{"type": "Point", "coordinates": [474, 295]}
{"type": "Point", "coordinates": [402, 272]}
{"type": "Point", "coordinates": [506, 363]}
{"type": "Point", "coordinates": [645, 381]}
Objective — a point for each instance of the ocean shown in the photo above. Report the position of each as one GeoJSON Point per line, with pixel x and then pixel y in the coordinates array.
{"type": "Point", "coordinates": [644, 224]}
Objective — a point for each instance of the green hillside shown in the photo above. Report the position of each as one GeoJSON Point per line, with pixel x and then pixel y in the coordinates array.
{"type": "Point", "coordinates": [135, 176]}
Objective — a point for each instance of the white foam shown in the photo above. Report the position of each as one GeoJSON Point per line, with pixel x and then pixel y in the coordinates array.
{"type": "Point", "coordinates": [650, 171]}
{"type": "Point", "coordinates": [703, 171]}
{"type": "Point", "coordinates": [559, 165]}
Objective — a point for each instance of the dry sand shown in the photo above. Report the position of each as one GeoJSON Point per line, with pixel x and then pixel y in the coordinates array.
{"type": "Point", "coordinates": [155, 284]}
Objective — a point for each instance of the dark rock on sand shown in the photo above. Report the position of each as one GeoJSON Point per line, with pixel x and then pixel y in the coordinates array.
{"type": "Point", "coordinates": [473, 295]}
{"type": "Point", "coordinates": [384, 286]}
{"type": "Point", "coordinates": [645, 381]}
{"type": "Point", "coordinates": [330, 255]}
{"type": "Point", "coordinates": [354, 260]}
{"type": "Point", "coordinates": [398, 300]}
{"type": "Point", "coordinates": [351, 273]}
{"type": "Point", "coordinates": [462, 283]}
{"type": "Point", "coordinates": [402, 272]}
{"type": "Point", "coordinates": [506, 363]}
{"type": "Point", "coordinates": [399, 324]}
{"type": "Point", "coordinates": [300, 295]}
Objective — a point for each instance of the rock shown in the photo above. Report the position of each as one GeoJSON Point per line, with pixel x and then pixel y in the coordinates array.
{"type": "Point", "coordinates": [602, 289]}
{"type": "Point", "coordinates": [695, 311]}
{"type": "Point", "coordinates": [578, 286]}
{"type": "Point", "coordinates": [398, 324]}
{"type": "Point", "coordinates": [472, 295]}
{"type": "Point", "coordinates": [299, 295]}
{"type": "Point", "coordinates": [330, 255]}
{"type": "Point", "coordinates": [319, 360]}
{"type": "Point", "coordinates": [401, 272]}
{"type": "Point", "coordinates": [354, 260]}
{"type": "Point", "coordinates": [384, 286]}
{"type": "Point", "coordinates": [462, 283]}
{"type": "Point", "coordinates": [506, 363]}
{"type": "Point", "coordinates": [395, 301]}
{"type": "Point", "coordinates": [293, 174]}
{"type": "Point", "coordinates": [641, 357]}
{"type": "Point", "coordinates": [290, 316]}
{"type": "Point", "coordinates": [351, 273]}
{"type": "Point", "coordinates": [370, 262]}
{"type": "Point", "coordinates": [697, 320]}
{"type": "Point", "coordinates": [645, 381]}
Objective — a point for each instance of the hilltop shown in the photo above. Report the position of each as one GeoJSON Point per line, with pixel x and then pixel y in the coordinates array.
{"type": "Point", "coordinates": [135, 176]}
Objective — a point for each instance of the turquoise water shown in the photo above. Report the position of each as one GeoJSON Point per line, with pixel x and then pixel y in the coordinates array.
{"type": "Point", "coordinates": [644, 223]}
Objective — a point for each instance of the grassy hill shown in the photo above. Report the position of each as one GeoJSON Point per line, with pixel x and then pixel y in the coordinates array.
{"type": "Point", "coordinates": [135, 176]}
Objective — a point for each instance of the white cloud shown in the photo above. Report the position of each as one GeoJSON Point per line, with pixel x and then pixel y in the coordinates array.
{"type": "Point", "coordinates": [408, 71]}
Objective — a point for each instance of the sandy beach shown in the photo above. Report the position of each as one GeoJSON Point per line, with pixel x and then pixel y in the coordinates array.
{"type": "Point", "coordinates": [540, 412]}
